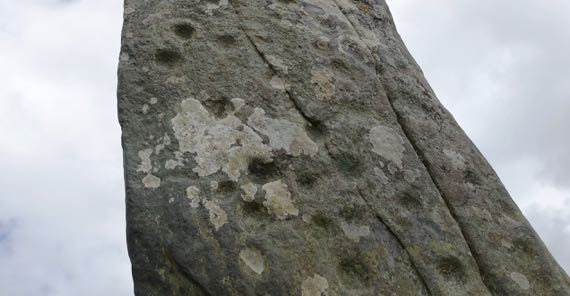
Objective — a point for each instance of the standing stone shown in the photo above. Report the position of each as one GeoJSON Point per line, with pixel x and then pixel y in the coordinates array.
{"type": "Point", "coordinates": [281, 147]}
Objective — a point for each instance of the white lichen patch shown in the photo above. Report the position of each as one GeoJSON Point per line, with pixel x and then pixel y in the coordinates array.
{"type": "Point", "coordinates": [286, 23]}
{"type": "Point", "coordinates": [224, 144]}
{"type": "Point", "coordinates": [153, 100]}
{"type": "Point", "coordinates": [193, 194]}
{"type": "Point", "coordinates": [211, 7]}
{"type": "Point", "coordinates": [277, 63]}
{"type": "Point", "coordinates": [456, 158]}
{"type": "Point", "coordinates": [380, 174]}
{"type": "Point", "coordinates": [146, 163]}
{"type": "Point", "coordinates": [160, 146]}
{"type": "Point", "coordinates": [314, 286]}
{"type": "Point", "coordinates": [253, 259]}
{"type": "Point", "coordinates": [153, 18]}
{"type": "Point", "coordinates": [354, 232]}
{"type": "Point", "coordinates": [506, 244]}
{"type": "Point", "coordinates": [218, 216]}
{"type": "Point", "coordinates": [214, 185]}
{"type": "Point", "coordinates": [283, 134]}
{"type": "Point", "coordinates": [388, 144]}
{"type": "Point", "coordinates": [238, 103]}
{"type": "Point", "coordinates": [324, 84]}
{"type": "Point", "coordinates": [278, 200]}
{"type": "Point", "coordinates": [175, 80]}
{"type": "Point", "coordinates": [129, 10]}
{"type": "Point", "coordinates": [229, 145]}
{"type": "Point", "coordinates": [322, 42]}
{"type": "Point", "coordinates": [411, 175]}
{"type": "Point", "coordinates": [249, 191]}
{"type": "Point", "coordinates": [151, 181]}
{"type": "Point", "coordinates": [278, 83]}
{"type": "Point", "coordinates": [145, 108]}
{"type": "Point", "coordinates": [520, 279]}
{"type": "Point", "coordinates": [173, 163]}
{"type": "Point", "coordinates": [124, 57]}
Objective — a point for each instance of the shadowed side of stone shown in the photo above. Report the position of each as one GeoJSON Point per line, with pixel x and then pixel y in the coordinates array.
{"type": "Point", "coordinates": [294, 148]}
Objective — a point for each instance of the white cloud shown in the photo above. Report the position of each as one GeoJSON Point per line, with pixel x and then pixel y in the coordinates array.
{"type": "Point", "coordinates": [61, 189]}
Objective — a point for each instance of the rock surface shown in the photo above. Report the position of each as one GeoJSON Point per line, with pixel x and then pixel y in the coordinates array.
{"type": "Point", "coordinates": [282, 147]}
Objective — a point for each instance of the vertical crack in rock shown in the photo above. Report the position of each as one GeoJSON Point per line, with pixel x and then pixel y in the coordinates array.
{"type": "Point", "coordinates": [420, 274]}
{"type": "Point", "coordinates": [441, 193]}
{"type": "Point", "coordinates": [417, 152]}
{"type": "Point", "coordinates": [399, 241]}
{"type": "Point", "coordinates": [473, 194]}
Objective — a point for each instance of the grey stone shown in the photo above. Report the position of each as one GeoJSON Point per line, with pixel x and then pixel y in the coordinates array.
{"type": "Point", "coordinates": [281, 147]}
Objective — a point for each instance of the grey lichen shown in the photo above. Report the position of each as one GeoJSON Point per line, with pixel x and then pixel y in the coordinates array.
{"type": "Point", "coordinates": [278, 200]}
{"type": "Point", "coordinates": [146, 164]}
{"type": "Point", "coordinates": [214, 141]}
{"type": "Point", "coordinates": [314, 286]}
{"type": "Point", "coordinates": [211, 6]}
{"type": "Point", "coordinates": [277, 63]}
{"type": "Point", "coordinates": [218, 217]}
{"type": "Point", "coordinates": [228, 144]}
{"type": "Point", "coordinates": [278, 83]}
{"type": "Point", "coordinates": [214, 185]}
{"type": "Point", "coordinates": [249, 191]}
{"type": "Point", "coordinates": [174, 163]}
{"type": "Point", "coordinates": [354, 232]}
{"type": "Point", "coordinates": [151, 181]}
{"type": "Point", "coordinates": [456, 158]}
{"type": "Point", "coordinates": [253, 259]}
{"type": "Point", "coordinates": [193, 193]}
{"type": "Point", "coordinates": [520, 279]}
{"type": "Point", "coordinates": [323, 83]}
{"type": "Point", "coordinates": [387, 143]}
{"type": "Point", "coordinates": [283, 134]}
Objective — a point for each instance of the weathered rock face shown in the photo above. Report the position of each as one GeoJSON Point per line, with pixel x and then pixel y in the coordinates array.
{"type": "Point", "coordinates": [279, 147]}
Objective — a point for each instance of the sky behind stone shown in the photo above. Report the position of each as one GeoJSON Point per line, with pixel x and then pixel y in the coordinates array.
{"type": "Point", "coordinates": [502, 68]}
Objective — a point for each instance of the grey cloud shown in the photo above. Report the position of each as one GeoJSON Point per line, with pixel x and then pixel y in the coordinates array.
{"type": "Point", "coordinates": [7, 227]}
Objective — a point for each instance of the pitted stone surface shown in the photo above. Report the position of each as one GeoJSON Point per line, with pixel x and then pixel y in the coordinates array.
{"type": "Point", "coordinates": [294, 148]}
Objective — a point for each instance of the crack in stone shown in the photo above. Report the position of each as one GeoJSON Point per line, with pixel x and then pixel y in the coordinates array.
{"type": "Point", "coordinates": [379, 217]}
{"type": "Point", "coordinates": [439, 190]}
{"type": "Point", "coordinates": [179, 268]}
{"type": "Point", "coordinates": [275, 72]}
{"type": "Point", "coordinates": [424, 282]}
{"type": "Point", "coordinates": [418, 153]}
{"type": "Point", "coordinates": [424, 162]}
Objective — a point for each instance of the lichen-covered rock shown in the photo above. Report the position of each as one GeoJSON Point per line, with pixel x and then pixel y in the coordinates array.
{"type": "Point", "coordinates": [294, 148]}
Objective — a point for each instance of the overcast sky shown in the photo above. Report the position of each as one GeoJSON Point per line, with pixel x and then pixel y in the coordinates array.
{"type": "Point", "coordinates": [501, 67]}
